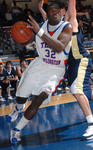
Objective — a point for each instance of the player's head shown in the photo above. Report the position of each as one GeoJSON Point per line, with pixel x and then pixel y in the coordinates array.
{"type": "Point", "coordinates": [22, 62]}
{"type": "Point", "coordinates": [53, 13]}
{"type": "Point", "coordinates": [8, 64]}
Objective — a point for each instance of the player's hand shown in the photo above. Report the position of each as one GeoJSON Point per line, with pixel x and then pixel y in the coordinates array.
{"type": "Point", "coordinates": [33, 24]}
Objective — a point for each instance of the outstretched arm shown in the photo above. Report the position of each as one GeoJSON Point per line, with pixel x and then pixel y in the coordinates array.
{"type": "Point", "coordinates": [58, 45]}
{"type": "Point", "coordinates": [71, 15]}
{"type": "Point", "coordinates": [43, 13]}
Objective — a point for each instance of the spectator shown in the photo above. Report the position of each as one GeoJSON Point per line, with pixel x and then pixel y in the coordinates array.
{"type": "Point", "coordinates": [16, 10]}
{"type": "Point", "coordinates": [8, 16]}
{"type": "Point", "coordinates": [4, 83]}
{"type": "Point", "coordinates": [79, 6]}
{"type": "Point", "coordinates": [11, 74]}
{"type": "Point", "coordinates": [91, 30]}
{"type": "Point", "coordinates": [37, 17]}
{"type": "Point", "coordinates": [84, 28]}
{"type": "Point", "coordinates": [3, 10]}
{"type": "Point", "coordinates": [27, 15]}
{"type": "Point", "coordinates": [20, 69]}
{"type": "Point", "coordinates": [17, 13]}
{"type": "Point", "coordinates": [3, 6]}
{"type": "Point", "coordinates": [26, 10]}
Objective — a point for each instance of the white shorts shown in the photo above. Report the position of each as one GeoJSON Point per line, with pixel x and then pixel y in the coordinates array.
{"type": "Point", "coordinates": [38, 77]}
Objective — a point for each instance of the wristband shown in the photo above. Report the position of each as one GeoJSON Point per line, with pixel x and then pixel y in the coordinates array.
{"type": "Point", "coordinates": [40, 32]}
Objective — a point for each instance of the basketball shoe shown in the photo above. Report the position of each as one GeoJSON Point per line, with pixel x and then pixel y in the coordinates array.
{"type": "Point", "coordinates": [89, 132]}
{"type": "Point", "coordinates": [10, 97]}
{"type": "Point", "coordinates": [14, 114]}
{"type": "Point", "coordinates": [2, 99]}
{"type": "Point", "coordinates": [15, 136]}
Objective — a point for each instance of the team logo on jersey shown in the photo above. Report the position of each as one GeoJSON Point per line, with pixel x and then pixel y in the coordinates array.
{"type": "Point", "coordinates": [51, 33]}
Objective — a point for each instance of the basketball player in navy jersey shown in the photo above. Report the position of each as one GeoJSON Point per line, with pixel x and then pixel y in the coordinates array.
{"type": "Point", "coordinates": [4, 82]}
{"type": "Point", "coordinates": [20, 69]}
{"type": "Point", "coordinates": [80, 67]}
{"type": "Point", "coordinates": [11, 76]}
{"type": "Point", "coordinates": [53, 42]}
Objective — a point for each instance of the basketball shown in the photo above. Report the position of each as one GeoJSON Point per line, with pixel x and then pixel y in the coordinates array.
{"type": "Point", "coordinates": [21, 33]}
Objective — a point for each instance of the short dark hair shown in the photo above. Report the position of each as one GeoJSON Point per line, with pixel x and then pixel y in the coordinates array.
{"type": "Point", "coordinates": [1, 63]}
{"type": "Point", "coordinates": [52, 4]}
{"type": "Point", "coordinates": [63, 5]}
{"type": "Point", "coordinates": [22, 59]}
{"type": "Point", "coordinates": [8, 62]}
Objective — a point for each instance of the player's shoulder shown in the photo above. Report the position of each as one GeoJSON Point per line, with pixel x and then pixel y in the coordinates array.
{"type": "Point", "coordinates": [4, 71]}
{"type": "Point", "coordinates": [66, 24]}
{"type": "Point", "coordinates": [43, 23]}
{"type": "Point", "coordinates": [18, 67]}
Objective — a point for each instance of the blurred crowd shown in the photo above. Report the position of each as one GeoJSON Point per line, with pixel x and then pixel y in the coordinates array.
{"type": "Point", "coordinates": [9, 78]}
{"type": "Point", "coordinates": [9, 16]}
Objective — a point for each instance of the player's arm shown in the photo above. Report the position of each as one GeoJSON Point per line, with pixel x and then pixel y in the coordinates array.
{"type": "Point", "coordinates": [43, 13]}
{"type": "Point", "coordinates": [71, 15]}
{"type": "Point", "coordinates": [19, 73]}
{"type": "Point", "coordinates": [62, 41]}
{"type": "Point", "coordinates": [57, 45]}
{"type": "Point", "coordinates": [14, 78]}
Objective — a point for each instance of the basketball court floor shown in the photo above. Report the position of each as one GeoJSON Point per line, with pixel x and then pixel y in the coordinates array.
{"type": "Point", "coordinates": [57, 126]}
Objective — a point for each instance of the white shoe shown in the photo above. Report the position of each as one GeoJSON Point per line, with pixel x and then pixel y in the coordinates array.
{"type": "Point", "coordinates": [10, 97]}
{"type": "Point", "coordinates": [67, 88]}
{"type": "Point", "coordinates": [2, 99]}
{"type": "Point", "coordinates": [15, 136]}
{"type": "Point", "coordinates": [59, 89]}
{"type": "Point", "coordinates": [14, 114]}
{"type": "Point", "coordinates": [89, 132]}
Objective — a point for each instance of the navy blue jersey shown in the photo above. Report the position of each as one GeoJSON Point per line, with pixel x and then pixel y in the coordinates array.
{"type": "Point", "coordinates": [3, 76]}
{"type": "Point", "coordinates": [11, 73]}
{"type": "Point", "coordinates": [78, 50]}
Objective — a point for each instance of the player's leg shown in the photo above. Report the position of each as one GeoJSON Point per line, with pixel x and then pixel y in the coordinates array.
{"type": "Point", "coordinates": [79, 74]}
{"type": "Point", "coordinates": [92, 95]}
{"type": "Point", "coordinates": [84, 103]}
{"type": "Point", "coordinates": [1, 98]}
{"type": "Point", "coordinates": [9, 97]}
{"type": "Point", "coordinates": [28, 115]}
{"type": "Point", "coordinates": [20, 105]}
{"type": "Point", "coordinates": [23, 92]}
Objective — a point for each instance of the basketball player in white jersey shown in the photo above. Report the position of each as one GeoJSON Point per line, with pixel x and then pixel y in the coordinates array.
{"type": "Point", "coordinates": [41, 77]}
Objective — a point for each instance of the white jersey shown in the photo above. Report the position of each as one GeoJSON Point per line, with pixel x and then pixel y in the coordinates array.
{"type": "Point", "coordinates": [47, 54]}
{"type": "Point", "coordinates": [45, 72]}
